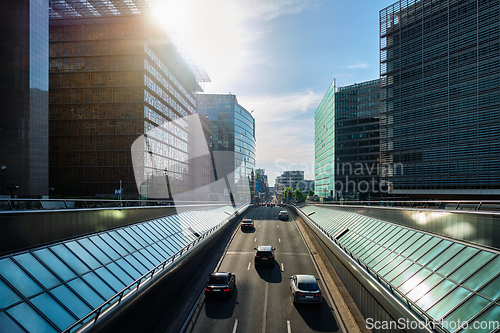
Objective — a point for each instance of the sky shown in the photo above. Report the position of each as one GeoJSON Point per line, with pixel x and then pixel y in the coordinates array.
{"type": "Point", "coordinates": [279, 57]}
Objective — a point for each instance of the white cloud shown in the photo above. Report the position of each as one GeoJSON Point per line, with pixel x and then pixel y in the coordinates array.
{"type": "Point", "coordinates": [269, 9]}
{"type": "Point", "coordinates": [358, 65]}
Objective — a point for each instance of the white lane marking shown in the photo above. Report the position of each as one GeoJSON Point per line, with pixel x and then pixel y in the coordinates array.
{"type": "Point", "coordinates": [249, 264]}
{"type": "Point", "coordinates": [287, 326]}
{"type": "Point", "coordinates": [282, 267]}
{"type": "Point", "coordinates": [266, 294]}
{"type": "Point", "coordinates": [258, 226]}
{"type": "Point", "coordinates": [279, 240]}
{"type": "Point", "coordinates": [236, 325]}
{"type": "Point", "coordinates": [278, 226]}
{"type": "Point", "coordinates": [255, 240]}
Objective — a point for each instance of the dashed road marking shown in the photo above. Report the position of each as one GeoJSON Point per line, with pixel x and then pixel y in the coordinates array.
{"type": "Point", "coordinates": [249, 264]}
{"type": "Point", "coordinates": [236, 325]}
{"type": "Point", "coordinates": [288, 326]}
{"type": "Point", "coordinates": [282, 267]}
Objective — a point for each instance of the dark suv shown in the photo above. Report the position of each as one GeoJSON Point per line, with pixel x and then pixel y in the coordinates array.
{"type": "Point", "coordinates": [264, 255]}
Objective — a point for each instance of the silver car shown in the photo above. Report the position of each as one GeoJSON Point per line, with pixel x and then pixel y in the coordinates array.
{"type": "Point", "coordinates": [305, 289]}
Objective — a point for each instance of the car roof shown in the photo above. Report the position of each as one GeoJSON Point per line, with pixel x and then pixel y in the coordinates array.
{"type": "Point", "coordinates": [219, 274]}
{"type": "Point", "coordinates": [246, 220]}
{"type": "Point", "coordinates": [305, 278]}
{"type": "Point", "coordinates": [284, 211]}
{"type": "Point", "coordinates": [264, 248]}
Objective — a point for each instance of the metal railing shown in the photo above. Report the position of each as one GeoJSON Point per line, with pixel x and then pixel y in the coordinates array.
{"type": "Point", "coordinates": [50, 204]}
{"type": "Point", "coordinates": [472, 205]}
{"type": "Point", "coordinates": [93, 316]}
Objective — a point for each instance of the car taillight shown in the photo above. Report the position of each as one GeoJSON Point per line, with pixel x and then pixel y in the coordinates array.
{"type": "Point", "coordinates": [226, 289]}
{"type": "Point", "coordinates": [256, 256]}
{"type": "Point", "coordinates": [271, 257]}
{"type": "Point", "coordinates": [318, 295]}
{"type": "Point", "coordinates": [300, 294]}
{"type": "Point", "coordinates": [207, 289]}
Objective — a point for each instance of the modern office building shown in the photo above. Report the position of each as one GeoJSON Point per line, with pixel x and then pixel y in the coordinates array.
{"type": "Point", "coordinates": [261, 184]}
{"type": "Point", "coordinates": [24, 110]}
{"type": "Point", "coordinates": [357, 141]}
{"type": "Point", "coordinates": [324, 145]}
{"type": "Point", "coordinates": [440, 80]}
{"type": "Point", "coordinates": [292, 178]}
{"type": "Point", "coordinates": [233, 144]}
{"type": "Point", "coordinates": [111, 81]}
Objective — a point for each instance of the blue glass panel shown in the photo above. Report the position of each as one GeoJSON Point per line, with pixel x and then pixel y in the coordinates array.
{"type": "Point", "coordinates": [148, 233]}
{"type": "Point", "coordinates": [140, 236]}
{"type": "Point", "coordinates": [182, 241]}
{"type": "Point", "coordinates": [96, 252]}
{"type": "Point", "coordinates": [384, 261]}
{"type": "Point", "coordinates": [68, 298]}
{"type": "Point", "coordinates": [30, 319]}
{"type": "Point", "coordinates": [35, 268]}
{"type": "Point", "coordinates": [457, 260]}
{"type": "Point", "coordinates": [168, 247]}
{"type": "Point", "coordinates": [449, 302]}
{"type": "Point", "coordinates": [445, 256]}
{"type": "Point", "coordinates": [401, 240]}
{"type": "Point", "coordinates": [471, 266]}
{"type": "Point", "coordinates": [16, 277]}
{"type": "Point", "coordinates": [405, 275]}
{"type": "Point", "coordinates": [391, 265]}
{"type": "Point", "coordinates": [134, 273]}
{"type": "Point", "coordinates": [173, 245]}
{"type": "Point", "coordinates": [99, 285]}
{"type": "Point", "coordinates": [145, 252]}
{"type": "Point", "coordinates": [53, 310]}
{"type": "Point", "coordinates": [483, 275]}
{"type": "Point", "coordinates": [83, 254]}
{"type": "Point", "coordinates": [414, 280]}
{"type": "Point", "coordinates": [136, 264]}
{"type": "Point", "coordinates": [120, 273]}
{"type": "Point", "coordinates": [110, 279]}
{"type": "Point", "coordinates": [161, 251]}
{"type": "Point", "coordinates": [70, 259]}
{"type": "Point", "coordinates": [467, 310]}
{"type": "Point", "coordinates": [492, 289]}
{"type": "Point", "coordinates": [133, 238]}
{"type": "Point", "coordinates": [149, 265]}
{"type": "Point", "coordinates": [434, 252]}
{"type": "Point", "coordinates": [397, 270]}
{"type": "Point", "coordinates": [104, 247]}
{"type": "Point", "coordinates": [86, 292]}
{"type": "Point", "coordinates": [417, 254]}
{"type": "Point", "coordinates": [117, 247]}
{"type": "Point", "coordinates": [55, 264]}
{"type": "Point", "coordinates": [153, 230]}
{"type": "Point", "coordinates": [432, 296]}
{"type": "Point", "coordinates": [485, 323]}
{"type": "Point", "coordinates": [125, 240]}
{"type": "Point", "coordinates": [7, 295]}
{"type": "Point", "coordinates": [9, 325]}
{"type": "Point", "coordinates": [420, 242]}
{"type": "Point", "coordinates": [424, 287]}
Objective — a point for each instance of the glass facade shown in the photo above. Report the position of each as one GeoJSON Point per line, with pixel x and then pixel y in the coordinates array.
{"type": "Point", "coordinates": [24, 98]}
{"type": "Point", "coordinates": [443, 279]}
{"type": "Point", "coordinates": [233, 141]}
{"type": "Point", "coordinates": [440, 77]}
{"type": "Point", "coordinates": [324, 145]}
{"type": "Point", "coordinates": [357, 140]}
{"type": "Point", "coordinates": [109, 84]}
{"type": "Point", "coordinates": [48, 289]}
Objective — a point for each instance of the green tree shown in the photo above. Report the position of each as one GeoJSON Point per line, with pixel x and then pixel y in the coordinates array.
{"type": "Point", "coordinates": [286, 193]}
{"type": "Point", "coordinates": [299, 195]}
{"type": "Point", "coordinates": [310, 193]}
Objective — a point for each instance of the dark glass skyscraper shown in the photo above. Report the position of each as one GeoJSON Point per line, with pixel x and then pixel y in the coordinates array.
{"type": "Point", "coordinates": [357, 140]}
{"type": "Point", "coordinates": [440, 81]}
{"type": "Point", "coordinates": [24, 85]}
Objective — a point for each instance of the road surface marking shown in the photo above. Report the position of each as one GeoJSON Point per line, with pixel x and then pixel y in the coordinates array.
{"type": "Point", "coordinates": [279, 240]}
{"type": "Point", "coordinates": [287, 326]}
{"type": "Point", "coordinates": [255, 240]}
{"type": "Point", "coordinates": [282, 267]}
{"type": "Point", "coordinates": [278, 226]}
{"type": "Point", "coordinates": [249, 264]}
{"type": "Point", "coordinates": [266, 294]}
{"type": "Point", "coordinates": [236, 325]}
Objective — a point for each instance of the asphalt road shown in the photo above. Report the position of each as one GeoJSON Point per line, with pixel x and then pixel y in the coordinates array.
{"type": "Point", "coordinates": [262, 300]}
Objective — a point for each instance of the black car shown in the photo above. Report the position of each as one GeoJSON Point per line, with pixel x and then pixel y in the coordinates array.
{"type": "Point", "coordinates": [246, 224]}
{"type": "Point", "coordinates": [220, 284]}
{"type": "Point", "coordinates": [264, 255]}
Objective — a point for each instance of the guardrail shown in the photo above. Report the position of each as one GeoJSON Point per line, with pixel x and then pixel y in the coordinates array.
{"type": "Point", "coordinates": [93, 316]}
{"type": "Point", "coordinates": [49, 204]}
{"type": "Point", "coordinates": [473, 205]}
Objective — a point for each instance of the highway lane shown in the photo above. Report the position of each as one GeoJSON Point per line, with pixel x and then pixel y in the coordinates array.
{"type": "Point", "coordinates": [262, 300]}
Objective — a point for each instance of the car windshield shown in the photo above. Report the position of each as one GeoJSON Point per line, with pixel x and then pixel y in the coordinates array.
{"type": "Point", "coordinates": [219, 279]}
{"type": "Point", "coordinates": [308, 286]}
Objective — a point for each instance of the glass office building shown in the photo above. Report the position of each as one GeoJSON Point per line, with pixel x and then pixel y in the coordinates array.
{"type": "Point", "coordinates": [233, 144]}
{"type": "Point", "coordinates": [440, 80]}
{"type": "Point", "coordinates": [24, 89]}
{"type": "Point", "coordinates": [324, 145]}
{"type": "Point", "coordinates": [112, 81]}
{"type": "Point", "coordinates": [357, 140]}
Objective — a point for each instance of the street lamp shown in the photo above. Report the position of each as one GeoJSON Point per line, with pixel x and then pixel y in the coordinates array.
{"type": "Point", "coordinates": [12, 188]}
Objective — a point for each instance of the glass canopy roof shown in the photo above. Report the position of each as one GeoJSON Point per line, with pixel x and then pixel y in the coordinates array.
{"type": "Point", "coordinates": [49, 288]}
{"type": "Point", "coordinates": [444, 280]}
